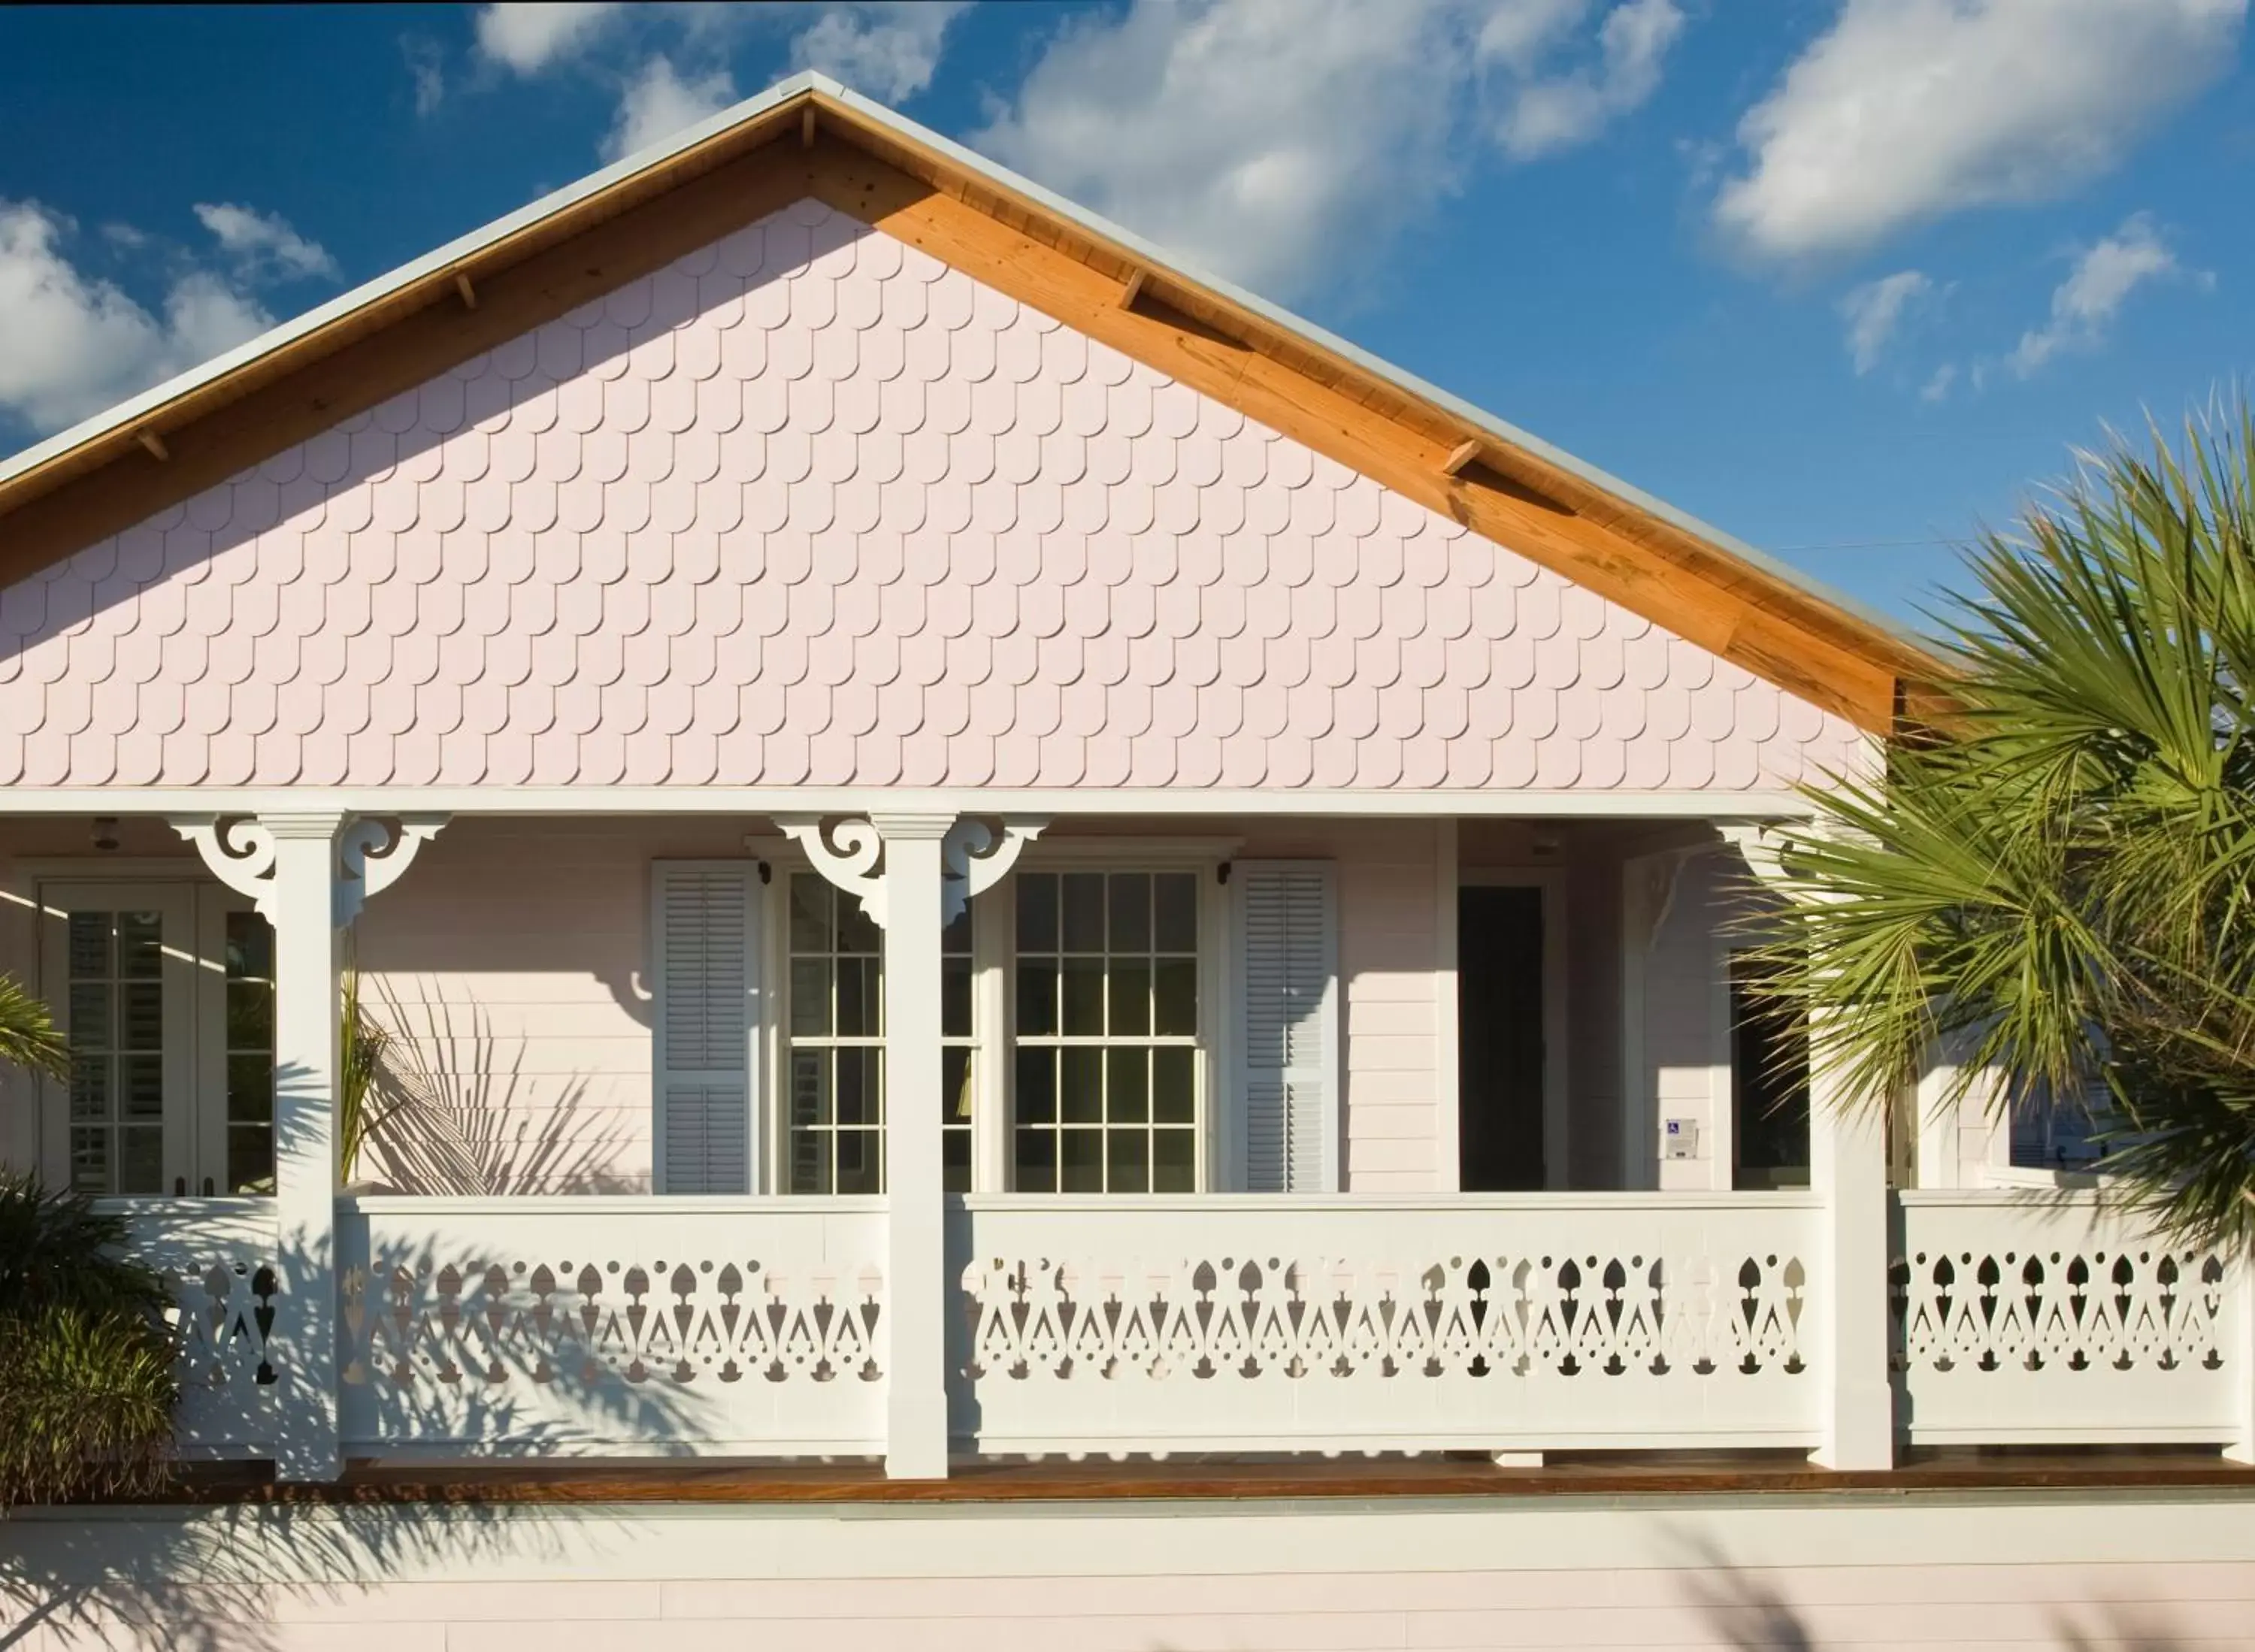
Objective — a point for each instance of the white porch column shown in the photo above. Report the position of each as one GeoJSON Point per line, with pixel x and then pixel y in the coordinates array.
{"type": "Point", "coordinates": [917, 1298]}
{"type": "Point", "coordinates": [304, 913]}
{"type": "Point", "coordinates": [309, 873]}
{"type": "Point", "coordinates": [1848, 1168]}
{"type": "Point", "coordinates": [913, 871]}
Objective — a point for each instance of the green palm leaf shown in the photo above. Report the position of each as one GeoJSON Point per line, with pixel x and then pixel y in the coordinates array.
{"type": "Point", "coordinates": [2060, 884]}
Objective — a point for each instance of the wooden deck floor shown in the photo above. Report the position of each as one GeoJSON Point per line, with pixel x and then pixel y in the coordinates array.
{"type": "Point", "coordinates": [1611, 1475]}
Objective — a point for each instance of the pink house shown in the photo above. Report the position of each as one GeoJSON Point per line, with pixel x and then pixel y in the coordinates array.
{"type": "Point", "coordinates": [968, 846]}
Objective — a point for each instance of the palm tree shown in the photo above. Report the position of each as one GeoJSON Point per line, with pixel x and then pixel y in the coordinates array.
{"type": "Point", "coordinates": [28, 1037]}
{"type": "Point", "coordinates": [2056, 880]}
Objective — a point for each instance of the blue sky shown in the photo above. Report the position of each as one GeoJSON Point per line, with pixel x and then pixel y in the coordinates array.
{"type": "Point", "coordinates": [1843, 277]}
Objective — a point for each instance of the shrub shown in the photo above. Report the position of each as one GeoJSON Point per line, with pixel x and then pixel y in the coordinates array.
{"type": "Point", "coordinates": [85, 1363]}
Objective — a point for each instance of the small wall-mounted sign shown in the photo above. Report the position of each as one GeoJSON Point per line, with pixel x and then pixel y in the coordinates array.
{"type": "Point", "coordinates": [1682, 1138]}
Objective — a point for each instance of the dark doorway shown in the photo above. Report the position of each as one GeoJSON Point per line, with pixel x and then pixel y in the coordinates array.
{"type": "Point", "coordinates": [1769, 1084]}
{"type": "Point", "coordinates": [1499, 1052]}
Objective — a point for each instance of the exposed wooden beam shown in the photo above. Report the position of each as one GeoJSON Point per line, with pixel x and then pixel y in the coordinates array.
{"type": "Point", "coordinates": [418, 345]}
{"type": "Point", "coordinates": [1215, 345]}
{"type": "Point", "coordinates": [1719, 613]}
{"type": "Point", "coordinates": [154, 443]}
{"type": "Point", "coordinates": [462, 286]}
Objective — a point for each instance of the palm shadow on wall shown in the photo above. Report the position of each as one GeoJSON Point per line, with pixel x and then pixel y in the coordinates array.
{"type": "Point", "coordinates": [461, 1126]}
{"type": "Point", "coordinates": [1745, 1606]}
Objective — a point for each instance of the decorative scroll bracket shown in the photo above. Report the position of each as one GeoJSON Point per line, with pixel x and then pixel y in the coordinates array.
{"type": "Point", "coordinates": [974, 856]}
{"type": "Point", "coordinates": [848, 853]}
{"type": "Point", "coordinates": [1756, 847]}
{"type": "Point", "coordinates": [240, 853]}
{"type": "Point", "coordinates": [371, 856]}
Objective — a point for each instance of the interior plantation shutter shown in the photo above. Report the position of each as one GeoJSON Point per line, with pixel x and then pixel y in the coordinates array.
{"type": "Point", "coordinates": [1288, 972]}
{"type": "Point", "coordinates": [703, 933]}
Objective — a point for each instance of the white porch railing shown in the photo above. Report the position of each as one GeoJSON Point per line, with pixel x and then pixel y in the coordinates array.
{"type": "Point", "coordinates": [2029, 1316]}
{"type": "Point", "coordinates": [762, 1327]}
{"type": "Point", "coordinates": [1365, 1323]}
{"type": "Point", "coordinates": [218, 1258]}
{"type": "Point", "coordinates": [612, 1326]}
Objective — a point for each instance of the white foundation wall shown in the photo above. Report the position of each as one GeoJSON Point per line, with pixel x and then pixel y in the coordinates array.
{"type": "Point", "coordinates": [2132, 1572]}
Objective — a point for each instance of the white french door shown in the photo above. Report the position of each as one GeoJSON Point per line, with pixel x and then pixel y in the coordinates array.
{"type": "Point", "coordinates": [165, 991]}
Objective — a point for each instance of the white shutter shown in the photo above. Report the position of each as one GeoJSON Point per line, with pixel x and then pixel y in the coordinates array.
{"type": "Point", "coordinates": [705, 965]}
{"type": "Point", "coordinates": [1288, 1028]}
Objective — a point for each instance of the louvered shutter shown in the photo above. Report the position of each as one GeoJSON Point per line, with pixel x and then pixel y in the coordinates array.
{"type": "Point", "coordinates": [704, 936]}
{"type": "Point", "coordinates": [1288, 968]}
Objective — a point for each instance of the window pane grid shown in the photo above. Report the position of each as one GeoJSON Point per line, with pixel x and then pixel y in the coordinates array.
{"type": "Point", "coordinates": [1105, 1068]}
{"type": "Point", "coordinates": [249, 1054]}
{"type": "Point", "coordinates": [115, 994]}
{"type": "Point", "coordinates": [834, 1072]}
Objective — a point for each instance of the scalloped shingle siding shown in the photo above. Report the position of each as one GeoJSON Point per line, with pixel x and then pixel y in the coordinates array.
{"type": "Point", "coordinates": [807, 507]}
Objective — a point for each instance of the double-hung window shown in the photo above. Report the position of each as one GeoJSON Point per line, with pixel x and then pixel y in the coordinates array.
{"type": "Point", "coordinates": [1132, 1024]}
{"type": "Point", "coordinates": [1105, 1068]}
{"type": "Point", "coordinates": [834, 1061]}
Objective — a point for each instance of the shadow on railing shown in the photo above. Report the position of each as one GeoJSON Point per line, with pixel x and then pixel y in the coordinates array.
{"type": "Point", "coordinates": [442, 1347]}
{"type": "Point", "coordinates": [584, 1326]}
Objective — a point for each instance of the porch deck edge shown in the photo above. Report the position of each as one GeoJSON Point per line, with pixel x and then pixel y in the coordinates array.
{"type": "Point", "coordinates": [578, 1483]}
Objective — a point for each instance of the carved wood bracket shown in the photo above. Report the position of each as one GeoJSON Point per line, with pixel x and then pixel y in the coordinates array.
{"type": "Point", "coordinates": [975, 854]}
{"type": "Point", "coordinates": [372, 852]}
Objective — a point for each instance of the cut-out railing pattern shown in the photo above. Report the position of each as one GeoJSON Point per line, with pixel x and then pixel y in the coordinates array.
{"type": "Point", "coordinates": [2022, 1316]}
{"type": "Point", "coordinates": [218, 1257]}
{"type": "Point", "coordinates": [655, 1324]}
{"type": "Point", "coordinates": [1365, 1325]}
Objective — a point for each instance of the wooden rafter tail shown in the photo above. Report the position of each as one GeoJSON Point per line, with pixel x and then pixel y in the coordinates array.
{"type": "Point", "coordinates": [1133, 288]}
{"type": "Point", "coordinates": [1459, 456]}
{"type": "Point", "coordinates": [462, 286]}
{"type": "Point", "coordinates": [154, 443]}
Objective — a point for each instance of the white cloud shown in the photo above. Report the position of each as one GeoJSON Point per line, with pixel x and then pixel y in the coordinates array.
{"type": "Point", "coordinates": [1281, 142]}
{"type": "Point", "coordinates": [531, 35]}
{"type": "Point", "coordinates": [71, 344]}
{"type": "Point", "coordinates": [2086, 303]}
{"type": "Point", "coordinates": [1936, 388]}
{"type": "Point", "coordinates": [886, 50]}
{"type": "Point", "coordinates": [659, 102]}
{"type": "Point", "coordinates": [1558, 114]}
{"type": "Point", "coordinates": [1517, 32]}
{"type": "Point", "coordinates": [1907, 110]}
{"type": "Point", "coordinates": [1875, 309]}
{"type": "Point", "coordinates": [427, 62]}
{"type": "Point", "coordinates": [263, 245]}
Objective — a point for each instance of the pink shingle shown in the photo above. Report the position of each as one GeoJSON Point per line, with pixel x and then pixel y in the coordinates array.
{"type": "Point", "coordinates": [808, 505]}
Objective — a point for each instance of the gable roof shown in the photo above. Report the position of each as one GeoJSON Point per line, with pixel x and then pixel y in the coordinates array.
{"type": "Point", "coordinates": [810, 136]}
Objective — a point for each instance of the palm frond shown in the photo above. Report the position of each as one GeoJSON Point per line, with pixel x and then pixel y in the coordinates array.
{"type": "Point", "coordinates": [2060, 885]}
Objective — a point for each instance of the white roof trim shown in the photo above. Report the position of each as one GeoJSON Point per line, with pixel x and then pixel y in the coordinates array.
{"type": "Point", "coordinates": [130, 411]}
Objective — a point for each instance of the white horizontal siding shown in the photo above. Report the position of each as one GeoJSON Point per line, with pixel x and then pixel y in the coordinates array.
{"type": "Point", "coordinates": [2143, 1572]}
